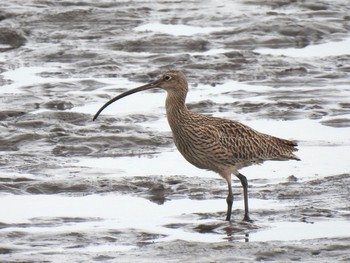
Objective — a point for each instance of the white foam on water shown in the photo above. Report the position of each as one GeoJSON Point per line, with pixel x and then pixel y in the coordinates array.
{"type": "Point", "coordinates": [214, 51]}
{"type": "Point", "coordinates": [104, 248]}
{"type": "Point", "coordinates": [336, 48]}
{"type": "Point", "coordinates": [177, 30]}
{"type": "Point", "coordinates": [4, 46]}
{"type": "Point", "coordinates": [28, 76]}
{"type": "Point", "coordinates": [23, 76]}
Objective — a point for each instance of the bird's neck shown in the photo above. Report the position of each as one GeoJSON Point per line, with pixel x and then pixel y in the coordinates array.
{"type": "Point", "coordinates": [176, 109]}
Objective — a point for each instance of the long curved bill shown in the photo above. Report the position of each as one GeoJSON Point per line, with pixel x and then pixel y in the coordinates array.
{"type": "Point", "coordinates": [127, 93]}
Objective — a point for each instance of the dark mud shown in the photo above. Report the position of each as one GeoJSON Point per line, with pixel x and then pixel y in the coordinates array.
{"type": "Point", "coordinates": [74, 51]}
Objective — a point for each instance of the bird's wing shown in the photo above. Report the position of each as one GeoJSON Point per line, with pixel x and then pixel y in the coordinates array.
{"type": "Point", "coordinates": [243, 143]}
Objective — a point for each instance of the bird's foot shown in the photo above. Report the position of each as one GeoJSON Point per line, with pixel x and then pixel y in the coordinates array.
{"type": "Point", "coordinates": [246, 218]}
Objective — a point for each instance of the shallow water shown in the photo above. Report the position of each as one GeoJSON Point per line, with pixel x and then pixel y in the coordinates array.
{"type": "Point", "coordinates": [337, 48]}
{"type": "Point", "coordinates": [74, 190]}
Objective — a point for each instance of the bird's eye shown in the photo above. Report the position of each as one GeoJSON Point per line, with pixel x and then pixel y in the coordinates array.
{"type": "Point", "coordinates": [167, 77]}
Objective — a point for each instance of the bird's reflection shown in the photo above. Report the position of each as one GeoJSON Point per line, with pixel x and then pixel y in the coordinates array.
{"type": "Point", "coordinates": [231, 231]}
{"type": "Point", "coordinates": [238, 231]}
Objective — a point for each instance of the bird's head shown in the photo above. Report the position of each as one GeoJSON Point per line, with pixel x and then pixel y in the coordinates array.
{"type": "Point", "coordinates": [172, 81]}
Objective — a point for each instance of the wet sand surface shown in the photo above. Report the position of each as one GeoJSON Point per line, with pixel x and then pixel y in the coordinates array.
{"type": "Point", "coordinates": [117, 190]}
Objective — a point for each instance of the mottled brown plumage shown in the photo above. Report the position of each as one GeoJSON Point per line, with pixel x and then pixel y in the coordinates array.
{"type": "Point", "coordinates": [215, 144]}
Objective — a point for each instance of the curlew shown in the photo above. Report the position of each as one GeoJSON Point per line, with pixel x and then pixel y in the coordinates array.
{"type": "Point", "coordinates": [211, 143]}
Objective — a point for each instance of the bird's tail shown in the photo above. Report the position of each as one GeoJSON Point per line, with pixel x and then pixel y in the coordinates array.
{"type": "Point", "coordinates": [287, 148]}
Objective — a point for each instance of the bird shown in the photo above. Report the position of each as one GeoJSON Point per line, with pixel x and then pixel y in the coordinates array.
{"type": "Point", "coordinates": [216, 144]}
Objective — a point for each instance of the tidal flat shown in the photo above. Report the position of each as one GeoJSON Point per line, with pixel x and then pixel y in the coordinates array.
{"type": "Point", "coordinates": [117, 190]}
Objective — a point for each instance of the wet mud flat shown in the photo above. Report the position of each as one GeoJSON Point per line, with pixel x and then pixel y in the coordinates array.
{"type": "Point", "coordinates": [116, 190]}
{"type": "Point", "coordinates": [78, 230]}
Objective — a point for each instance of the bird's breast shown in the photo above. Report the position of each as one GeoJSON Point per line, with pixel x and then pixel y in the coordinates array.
{"type": "Point", "coordinates": [197, 150]}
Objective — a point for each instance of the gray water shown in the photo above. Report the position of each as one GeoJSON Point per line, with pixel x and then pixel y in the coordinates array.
{"type": "Point", "coordinates": [116, 189]}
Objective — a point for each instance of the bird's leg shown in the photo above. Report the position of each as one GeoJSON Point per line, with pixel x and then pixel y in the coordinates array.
{"type": "Point", "coordinates": [229, 200]}
{"type": "Point", "coordinates": [244, 183]}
